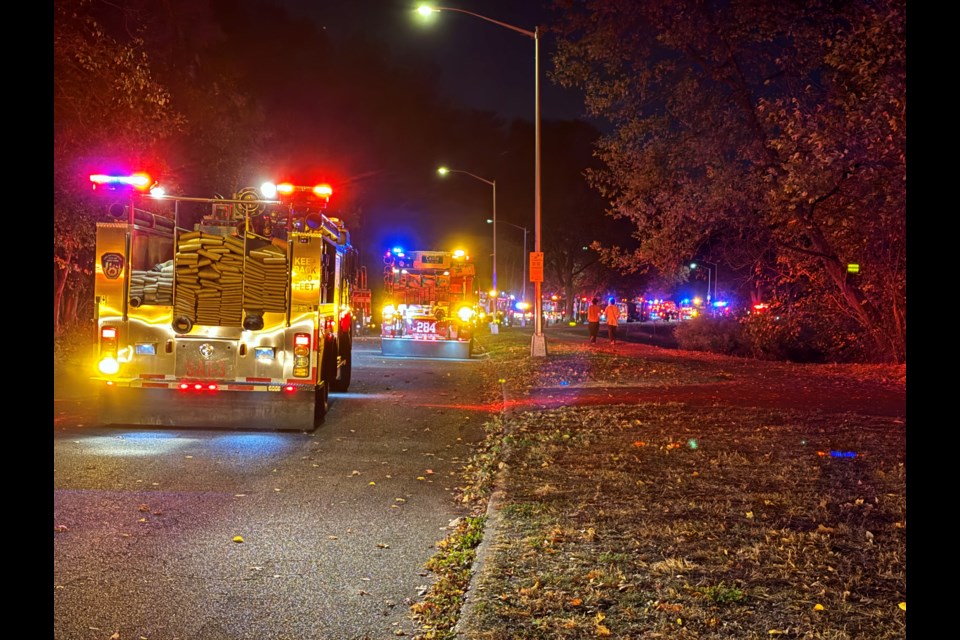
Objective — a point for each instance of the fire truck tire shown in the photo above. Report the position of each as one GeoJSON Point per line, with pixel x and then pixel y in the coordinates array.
{"type": "Point", "coordinates": [321, 405]}
{"type": "Point", "coordinates": [341, 381]}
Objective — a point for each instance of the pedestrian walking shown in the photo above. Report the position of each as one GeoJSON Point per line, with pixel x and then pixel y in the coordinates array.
{"type": "Point", "coordinates": [612, 312]}
{"type": "Point", "coordinates": [593, 319]}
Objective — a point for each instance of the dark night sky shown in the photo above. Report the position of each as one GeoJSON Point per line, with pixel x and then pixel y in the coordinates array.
{"type": "Point", "coordinates": [482, 65]}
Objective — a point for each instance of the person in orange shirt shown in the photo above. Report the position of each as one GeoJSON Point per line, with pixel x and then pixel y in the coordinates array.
{"type": "Point", "coordinates": [612, 312]}
{"type": "Point", "coordinates": [593, 319]}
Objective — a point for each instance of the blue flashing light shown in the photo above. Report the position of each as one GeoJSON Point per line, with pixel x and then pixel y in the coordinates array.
{"type": "Point", "coordinates": [397, 250]}
{"type": "Point", "coordinates": [843, 454]}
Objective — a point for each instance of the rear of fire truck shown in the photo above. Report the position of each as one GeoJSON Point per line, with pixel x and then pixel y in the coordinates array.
{"type": "Point", "coordinates": [429, 306]}
{"type": "Point", "coordinates": [242, 321]}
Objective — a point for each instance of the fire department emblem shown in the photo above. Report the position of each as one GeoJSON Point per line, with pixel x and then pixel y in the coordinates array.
{"type": "Point", "coordinates": [112, 264]}
{"type": "Point", "coordinates": [206, 350]}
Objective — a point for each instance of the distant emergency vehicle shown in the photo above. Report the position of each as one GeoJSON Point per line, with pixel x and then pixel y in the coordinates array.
{"type": "Point", "coordinates": [429, 304]}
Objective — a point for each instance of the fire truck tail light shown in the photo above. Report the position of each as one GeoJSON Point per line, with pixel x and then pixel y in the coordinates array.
{"type": "Point", "coordinates": [109, 348]}
{"type": "Point", "coordinates": [301, 355]}
{"type": "Point", "coordinates": [198, 386]}
{"type": "Point", "coordinates": [108, 366]}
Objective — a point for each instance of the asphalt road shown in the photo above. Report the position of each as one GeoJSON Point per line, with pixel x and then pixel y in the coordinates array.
{"type": "Point", "coordinates": [170, 534]}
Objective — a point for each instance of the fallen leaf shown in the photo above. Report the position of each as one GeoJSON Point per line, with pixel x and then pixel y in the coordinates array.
{"type": "Point", "coordinates": [903, 605]}
{"type": "Point", "coordinates": [818, 607]}
{"type": "Point", "coordinates": [576, 602]}
{"type": "Point", "coordinates": [238, 538]}
{"type": "Point", "coordinates": [750, 515]}
{"type": "Point", "coordinates": [332, 537]}
{"type": "Point", "coordinates": [420, 478]}
{"type": "Point", "coordinates": [372, 483]}
{"type": "Point", "coordinates": [383, 545]}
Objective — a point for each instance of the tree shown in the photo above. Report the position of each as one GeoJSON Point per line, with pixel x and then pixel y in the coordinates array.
{"type": "Point", "coordinates": [107, 106]}
{"type": "Point", "coordinates": [767, 136]}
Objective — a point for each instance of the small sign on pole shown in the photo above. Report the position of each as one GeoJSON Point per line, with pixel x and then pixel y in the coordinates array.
{"type": "Point", "coordinates": [536, 266]}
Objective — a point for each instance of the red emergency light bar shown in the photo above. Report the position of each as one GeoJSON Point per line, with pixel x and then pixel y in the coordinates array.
{"type": "Point", "coordinates": [139, 181]}
{"type": "Point", "coordinates": [320, 190]}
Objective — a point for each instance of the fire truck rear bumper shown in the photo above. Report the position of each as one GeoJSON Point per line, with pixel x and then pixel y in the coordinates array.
{"type": "Point", "coordinates": [413, 348]}
{"type": "Point", "coordinates": [278, 411]}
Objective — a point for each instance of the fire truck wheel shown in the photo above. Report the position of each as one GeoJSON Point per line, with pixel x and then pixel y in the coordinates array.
{"type": "Point", "coordinates": [341, 381]}
{"type": "Point", "coordinates": [321, 405]}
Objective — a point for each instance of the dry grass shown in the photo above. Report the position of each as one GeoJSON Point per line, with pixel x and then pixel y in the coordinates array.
{"type": "Point", "coordinates": [675, 521]}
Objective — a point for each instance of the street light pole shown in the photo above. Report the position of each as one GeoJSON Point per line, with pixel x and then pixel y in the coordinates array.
{"type": "Point", "coordinates": [525, 230]}
{"type": "Point", "coordinates": [492, 305]}
{"type": "Point", "coordinates": [694, 265]}
{"type": "Point", "coordinates": [538, 345]}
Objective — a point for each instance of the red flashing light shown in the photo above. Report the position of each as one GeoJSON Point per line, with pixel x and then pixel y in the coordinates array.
{"type": "Point", "coordinates": [289, 388]}
{"type": "Point", "coordinates": [320, 191]}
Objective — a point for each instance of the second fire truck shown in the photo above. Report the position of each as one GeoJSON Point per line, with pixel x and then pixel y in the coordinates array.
{"type": "Point", "coordinates": [429, 304]}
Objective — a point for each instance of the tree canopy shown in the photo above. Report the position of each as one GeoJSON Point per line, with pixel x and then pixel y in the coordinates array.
{"type": "Point", "coordinates": [768, 137]}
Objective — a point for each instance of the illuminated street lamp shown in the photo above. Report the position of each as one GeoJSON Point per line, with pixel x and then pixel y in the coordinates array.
{"type": "Point", "coordinates": [694, 266]}
{"type": "Point", "coordinates": [716, 275]}
{"type": "Point", "coordinates": [538, 345]}
{"type": "Point", "coordinates": [493, 183]}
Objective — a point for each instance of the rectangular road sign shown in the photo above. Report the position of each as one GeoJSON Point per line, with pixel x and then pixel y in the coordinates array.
{"type": "Point", "coordinates": [536, 266]}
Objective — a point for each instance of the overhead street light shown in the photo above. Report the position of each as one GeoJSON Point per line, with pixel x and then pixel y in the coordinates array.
{"type": "Point", "coordinates": [710, 276]}
{"type": "Point", "coordinates": [538, 346]}
{"type": "Point", "coordinates": [493, 183]}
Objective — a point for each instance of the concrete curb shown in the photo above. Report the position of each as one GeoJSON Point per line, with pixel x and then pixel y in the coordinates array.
{"type": "Point", "coordinates": [466, 625]}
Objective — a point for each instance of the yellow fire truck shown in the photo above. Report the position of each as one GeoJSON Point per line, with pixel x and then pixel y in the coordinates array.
{"type": "Point", "coordinates": [429, 304]}
{"type": "Point", "coordinates": [241, 322]}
